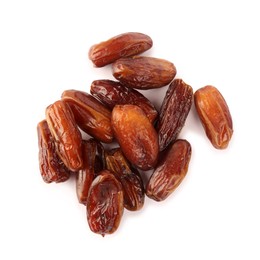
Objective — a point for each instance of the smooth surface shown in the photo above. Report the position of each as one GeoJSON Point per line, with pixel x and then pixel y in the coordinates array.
{"type": "Point", "coordinates": [214, 213]}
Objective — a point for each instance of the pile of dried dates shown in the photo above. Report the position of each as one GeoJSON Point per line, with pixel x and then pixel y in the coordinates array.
{"type": "Point", "coordinates": [109, 180]}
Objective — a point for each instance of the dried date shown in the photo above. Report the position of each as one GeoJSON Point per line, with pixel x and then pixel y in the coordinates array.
{"type": "Point", "coordinates": [214, 115]}
{"type": "Point", "coordinates": [123, 45]}
{"type": "Point", "coordinates": [170, 171]}
{"type": "Point", "coordinates": [174, 111]}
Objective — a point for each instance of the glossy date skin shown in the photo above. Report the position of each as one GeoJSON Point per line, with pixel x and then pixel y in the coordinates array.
{"type": "Point", "coordinates": [113, 93]}
{"type": "Point", "coordinates": [66, 134]}
{"type": "Point", "coordinates": [129, 177]}
{"type": "Point", "coordinates": [52, 168]}
{"type": "Point", "coordinates": [170, 171]}
{"type": "Point", "coordinates": [91, 115]}
{"type": "Point", "coordinates": [135, 135]}
{"type": "Point", "coordinates": [214, 115]}
{"type": "Point", "coordinates": [105, 204]}
{"type": "Point", "coordinates": [123, 45]}
{"type": "Point", "coordinates": [143, 72]}
{"type": "Point", "coordinates": [174, 111]}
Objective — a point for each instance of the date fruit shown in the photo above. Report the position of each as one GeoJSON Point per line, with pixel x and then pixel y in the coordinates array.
{"type": "Point", "coordinates": [66, 134]}
{"type": "Point", "coordinates": [51, 167]}
{"type": "Point", "coordinates": [143, 72]}
{"type": "Point", "coordinates": [105, 204]}
{"type": "Point", "coordinates": [214, 115]}
{"type": "Point", "coordinates": [129, 177]}
{"type": "Point", "coordinates": [91, 115]}
{"type": "Point", "coordinates": [174, 111]}
{"type": "Point", "coordinates": [113, 93]}
{"type": "Point", "coordinates": [135, 135]}
{"type": "Point", "coordinates": [170, 171]}
{"type": "Point", "coordinates": [123, 45]}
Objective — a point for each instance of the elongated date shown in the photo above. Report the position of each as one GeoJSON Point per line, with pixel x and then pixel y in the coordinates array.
{"type": "Point", "coordinates": [174, 111]}
{"type": "Point", "coordinates": [170, 171]}
{"type": "Point", "coordinates": [123, 45]}
{"type": "Point", "coordinates": [91, 115]}
{"type": "Point", "coordinates": [66, 134]}
{"type": "Point", "coordinates": [135, 135]}
{"type": "Point", "coordinates": [129, 177]}
{"type": "Point", "coordinates": [105, 204]}
{"type": "Point", "coordinates": [113, 93]}
{"type": "Point", "coordinates": [143, 72]}
{"type": "Point", "coordinates": [214, 115]}
{"type": "Point", "coordinates": [52, 168]}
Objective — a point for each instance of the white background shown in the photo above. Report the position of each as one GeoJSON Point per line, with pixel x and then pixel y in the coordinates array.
{"type": "Point", "coordinates": [214, 214]}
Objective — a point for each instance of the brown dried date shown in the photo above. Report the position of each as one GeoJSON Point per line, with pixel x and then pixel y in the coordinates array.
{"type": "Point", "coordinates": [123, 45]}
{"type": "Point", "coordinates": [135, 135]}
{"type": "Point", "coordinates": [143, 72]}
{"type": "Point", "coordinates": [105, 204]}
{"type": "Point", "coordinates": [170, 171]}
{"type": "Point", "coordinates": [129, 177]}
{"type": "Point", "coordinates": [66, 134]}
{"type": "Point", "coordinates": [51, 166]}
{"type": "Point", "coordinates": [113, 93]}
{"type": "Point", "coordinates": [91, 115]}
{"type": "Point", "coordinates": [174, 111]}
{"type": "Point", "coordinates": [214, 115]}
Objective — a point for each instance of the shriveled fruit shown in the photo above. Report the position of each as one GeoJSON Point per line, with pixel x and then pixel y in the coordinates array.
{"type": "Point", "coordinates": [170, 171]}
{"type": "Point", "coordinates": [143, 72]}
{"type": "Point", "coordinates": [214, 115]}
{"type": "Point", "coordinates": [105, 204]}
{"type": "Point", "coordinates": [135, 135]}
{"type": "Point", "coordinates": [123, 45]}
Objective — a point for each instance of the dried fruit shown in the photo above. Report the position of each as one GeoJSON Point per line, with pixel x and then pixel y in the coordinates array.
{"type": "Point", "coordinates": [135, 135]}
{"type": "Point", "coordinates": [174, 111]}
{"type": "Point", "coordinates": [170, 171]}
{"type": "Point", "coordinates": [143, 72]}
{"type": "Point", "coordinates": [91, 115]}
{"type": "Point", "coordinates": [129, 177]}
{"type": "Point", "coordinates": [66, 134]}
{"type": "Point", "coordinates": [214, 115]}
{"type": "Point", "coordinates": [113, 93]}
{"type": "Point", "coordinates": [51, 167]}
{"type": "Point", "coordinates": [105, 204]}
{"type": "Point", "coordinates": [123, 45]}
{"type": "Point", "coordinates": [92, 163]}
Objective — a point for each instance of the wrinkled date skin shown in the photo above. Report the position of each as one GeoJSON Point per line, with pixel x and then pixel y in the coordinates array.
{"type": "Point", "coordinates": [170, 171]}
{"type": "Point", "coordinates": [92, 155]}
{"type": "Point", "coordinates": [143, 72]}
{"type": "Point", "coordinates": [105, 204]}
{"type": "Point", "coordinates": [214, 115]}
{"type": "Point", "coordinates": [91, 115]}
{"type": "Point", "coordinates": [113, 93]}
{"type": "Point", "coordinates": [129, 177]}
{"type": "Point", "coordinates": [174, 111]}
{"type": "Point", "coordinates": [51, 167]}
{"type": "Point", "coordinates": [123, 45]}
{"type": "Point", "coordinates": [66, 134]}
{"type": "Point", "coordinates": [135, 135]}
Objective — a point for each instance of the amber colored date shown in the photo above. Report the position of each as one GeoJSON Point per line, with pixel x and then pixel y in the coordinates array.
{"type": "Point", "coordinates": [123, 45]}
{"type": "Point", "coordinates": [135, 135]}
{"type": "Point", "coordinates": [51, 167]}
{"type": "Point", "coordinates": [91, 115]}
{"type": "Point", "coordinates": [214, 115]}
{"type": "Point", "coordinates": [66, 134]}
{"type": "Point", "coordinates": [170, 171]}
{"type": "Point", "coordinates": [93, 162]}
{"type": "Point", "coordinates": [174, 111]}
{"type": "Point", "coordinates": [129, 177]}
{"type": "Point", "coordinates": [105, 204]}
{"type": "Point", "coordinates": [143, 72]}
{"type": "Point", "coordinates": [113, 93]}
